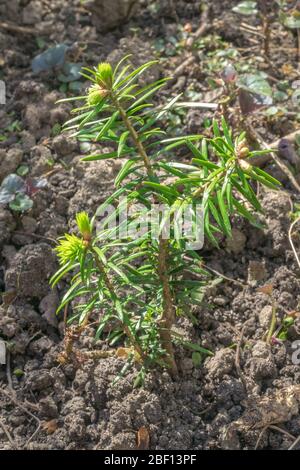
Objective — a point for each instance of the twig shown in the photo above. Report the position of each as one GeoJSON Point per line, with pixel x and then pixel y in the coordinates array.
{"type": "Point", "coordinates": [8, 435]}
{"type": "Point", "coordinates": [248, 26]}
{"type": "Point", "coordinates": [12, 398]}
{"type": "Point", "coordinates": [263, 159]}
{"type": "Point", "coordinates": [14, 28]}
{"type": "Point", "coordinates": [237, 358]}
{"type": "Point", "coordinates": [295, 443]}
{"type": "Point", "coordinates": [283, 431]}
{"type": "Point", "coordinates": [168, 315]}
{"type": "Point", "coordinates": [234, 281]}
{"type": "Point", "coordinates": [260, 436]}
{"type": "Point", "coordinates": [251, 31]}
{"type": "Point", "coordinates": [191, 104]}
{"type": "Point", "coordinates": [276, 428]}
{"type": "Point", "coordinates": [291, 241]}
{"type": "Point", "coordinates": [298, 48]}
{"type": "Point", "coordinates": [273, 322]}
{"type": "Point", "coordinates": [66, 316]}
{"type": "Point", "coordinates": [35, 235]}
{"type": "Point", "coordinates": [182, 67]}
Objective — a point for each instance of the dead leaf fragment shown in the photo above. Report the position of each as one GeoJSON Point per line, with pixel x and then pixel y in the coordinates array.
{"type": "Point", "coordinates": [143, 438]}
{"type": "Point", "coordinates": [266, 289]}
{"type": "Point", "coordinates": [49, 426]}
{"type": "Point", "coordinates": [188, 27]}
{"type": "Point", "coordinates": [123, 353]}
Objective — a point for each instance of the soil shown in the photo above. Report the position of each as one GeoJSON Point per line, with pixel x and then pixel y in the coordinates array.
{"type": "Point", "coordinates": [46, 405]}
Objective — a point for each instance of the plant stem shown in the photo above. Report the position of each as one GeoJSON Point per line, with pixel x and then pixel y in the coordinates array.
{"type": "Point", "coordinates": [267, 35]}
{"type": "Point", "coordinates": [273, 323]}
{"type": "Point", "coordinates": [134, 136]}
{"type": "Point", "coordinates": [168, 315]}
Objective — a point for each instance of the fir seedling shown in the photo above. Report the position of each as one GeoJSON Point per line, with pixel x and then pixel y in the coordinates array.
{"type": "Point", "coordinates": [135, 283]}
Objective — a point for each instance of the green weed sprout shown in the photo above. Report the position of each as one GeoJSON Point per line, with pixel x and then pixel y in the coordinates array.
{"type": "Point", "coordinates": [135, 287]}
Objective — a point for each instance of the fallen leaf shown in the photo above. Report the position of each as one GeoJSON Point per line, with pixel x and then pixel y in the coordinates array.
{"type": "Point", "coordinates": [293, 314]}
{"type": "Point", "coordinates": [287, 69]}
{"type": "Point", "coordinates": [143, 438]}
{"type": "Point", "coordinates": [123, 352]}
{"type": "Point", "coordinates": [266, 289]}
{"type": "Point", "coordinates": [188, 28]}
{"type": "Point", "coordinates": [50, 426]}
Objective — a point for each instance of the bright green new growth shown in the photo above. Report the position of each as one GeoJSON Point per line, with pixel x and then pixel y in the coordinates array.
{"type": "Point", "coordinates": [135, 288]}
{"type": "Point", "coordinates": [84, 225]}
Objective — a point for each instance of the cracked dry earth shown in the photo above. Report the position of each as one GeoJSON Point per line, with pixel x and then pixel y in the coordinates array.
{"type": "Point", "coordinates": [230, 398]}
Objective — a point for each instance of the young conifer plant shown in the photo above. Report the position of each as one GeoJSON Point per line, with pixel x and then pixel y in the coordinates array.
{"type": "Point", "coordinates": [136, 286]}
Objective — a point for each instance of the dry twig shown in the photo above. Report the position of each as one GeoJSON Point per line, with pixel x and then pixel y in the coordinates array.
{"type": "Point", "coordinates": [8, 435]}
{"type": "Point", "coordinates": [263, 159]}
{"type": "Point", "coordinates": [13, 399]}
{"type": "Point", "coordinates": [291, 241]}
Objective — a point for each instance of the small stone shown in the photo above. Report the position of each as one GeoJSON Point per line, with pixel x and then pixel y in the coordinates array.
{"type": "Point", "coordinates": [221, 300]}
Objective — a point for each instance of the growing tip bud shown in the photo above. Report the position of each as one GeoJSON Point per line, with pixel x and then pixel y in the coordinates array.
{"type": "Point", "coordinates": [96, 94]}
{"type": "Point", "coordinates": [241, 150]}
{"type": "Point", "coordinates": [84, 225]}
{"type": "Point", "coordinates": [103, 86]}
{"type": "Point", "coordinates": [104, 75]}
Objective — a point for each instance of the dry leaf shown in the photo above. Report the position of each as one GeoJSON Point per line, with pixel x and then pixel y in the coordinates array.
{"type": "Point", "coordinates": [123, 352]}
{"type": "Point", "coordinates": [287, 69]}
{"type": "Point", "coordinates": [266, 289]}
{"type": "Point", "coordinates": [50, 426]}
{"type": "Point", "coordinates": [188, 28]}
{"type": "Point", "coordinates": [143, 438]}
{"type": "Point", "coordinates": [293, 314]}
